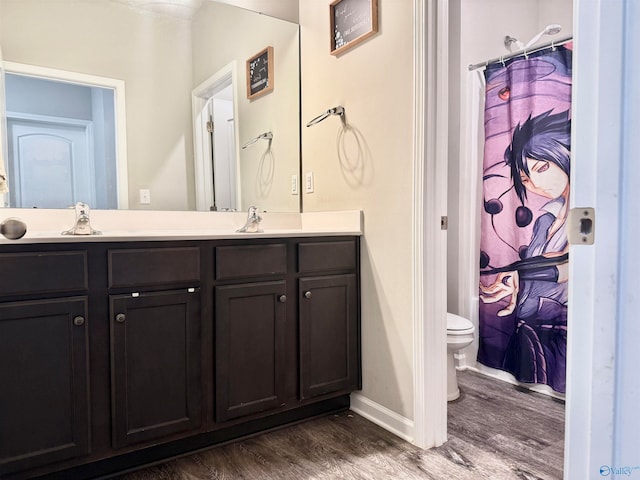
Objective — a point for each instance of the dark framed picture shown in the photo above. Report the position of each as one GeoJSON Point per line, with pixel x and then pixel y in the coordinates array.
{"type": "Point", "coordinates": [352, 22]}
{"type": "Point", "coordinates": [260, 79]}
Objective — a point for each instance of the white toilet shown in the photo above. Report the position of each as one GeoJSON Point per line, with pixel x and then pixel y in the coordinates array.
{"type": "Point", "coordinates": [459, 335]}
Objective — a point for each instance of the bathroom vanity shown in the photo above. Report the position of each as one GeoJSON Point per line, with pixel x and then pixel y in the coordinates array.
{"type": "Point", "coordinates": [122, 350]}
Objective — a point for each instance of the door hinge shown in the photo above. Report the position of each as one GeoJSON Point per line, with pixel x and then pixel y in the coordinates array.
{"type": "Point", "coordinates": [210, 126]}
{"type": "Point", "coordinates": [582, 226]}
{"type": "Point", "coordinates": [444, 222]}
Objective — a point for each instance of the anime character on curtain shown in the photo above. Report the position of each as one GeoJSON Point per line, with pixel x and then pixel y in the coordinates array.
{"type": "Point", "coordinates": [524, 247]}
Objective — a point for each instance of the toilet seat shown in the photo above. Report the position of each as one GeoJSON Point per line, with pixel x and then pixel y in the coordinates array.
{"type": "Point", "coordinates": [457, 325]}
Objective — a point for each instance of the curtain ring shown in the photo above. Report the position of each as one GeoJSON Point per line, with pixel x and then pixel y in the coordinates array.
{"type": "Point", "coordinates": [553, 46]}
{"type": "Point", "coordinates": [502, 60]}
{"type": "Point", "coordinates": [526, 55]}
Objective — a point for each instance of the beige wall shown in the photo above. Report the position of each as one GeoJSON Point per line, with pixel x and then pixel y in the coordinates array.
{"type": "Point", "coordinates": [265, 176]}
{"type": "Point", "coordinates": [151, 53]}
{"type": "Point", "coordinates": [374, 83]}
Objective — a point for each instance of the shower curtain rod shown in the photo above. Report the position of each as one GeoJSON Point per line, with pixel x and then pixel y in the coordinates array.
{"type": "Point", "coordinates": [525, 52]}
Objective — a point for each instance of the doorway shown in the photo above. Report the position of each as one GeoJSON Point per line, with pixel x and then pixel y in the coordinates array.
{"type": "Point", "coordinates": [66, 135]}
{"type": "Point", "coordinates": [216, 146]}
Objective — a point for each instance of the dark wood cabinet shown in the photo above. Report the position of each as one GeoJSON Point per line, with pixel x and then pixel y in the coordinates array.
{"type": "Point", "coordinates": [155, 365]}
{"type": "Point", "coordinates": [329, 334]}
{"type": "Point", "coordinates": [117, 354]}
{"type": "Point", "coordinates": [44, 384]}
{"type": "Point", "coordinates": [249, 348]}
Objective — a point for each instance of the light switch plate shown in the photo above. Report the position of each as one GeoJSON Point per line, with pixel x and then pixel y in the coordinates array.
{"type": "Point", "coordinates": [308, 182]}
{"type": "Point", "coordinates": [145, 196]}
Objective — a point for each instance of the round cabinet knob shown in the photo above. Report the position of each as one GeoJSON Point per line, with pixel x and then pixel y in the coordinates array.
{"type": "Point", "coordinates": [308, 294]}
{"type": "Point", "coordinates": [120, 318]}
{"type": "Point", "coordinates": [78, 321]}
{"type": "Point", "coordinates": [283, 298]}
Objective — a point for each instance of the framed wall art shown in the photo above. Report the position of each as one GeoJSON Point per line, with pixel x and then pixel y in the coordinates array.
{"type": "Point", "coordinates": [260, 78]}
{"type": "Point", "coordinates": [352, 22]}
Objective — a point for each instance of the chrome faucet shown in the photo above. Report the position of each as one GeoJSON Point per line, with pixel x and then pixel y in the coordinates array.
{"type": "Point", "coordinates": [252, 225]}
{"type": "Point", "coordinates": [83, 222]}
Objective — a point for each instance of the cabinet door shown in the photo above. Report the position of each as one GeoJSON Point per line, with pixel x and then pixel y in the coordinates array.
{"type": "Point", "coordinates": [328, 335]}
{"type": "Point", "coordinates": [155, 365]}
{"type": "Point", "coordinates": [250, 343]}
{"type": "Point", "coordinates": [44, 389]}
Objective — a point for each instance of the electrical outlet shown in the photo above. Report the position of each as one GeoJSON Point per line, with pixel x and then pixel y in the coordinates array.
{"type": "Point", "coordinates": [294, 184]}
{"type": "Point", "coordinates": [308, 182]}
{"type": "Point", "coordinates": [145, 196]}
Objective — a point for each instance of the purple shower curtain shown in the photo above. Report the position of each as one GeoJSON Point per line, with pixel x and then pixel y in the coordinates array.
{"type": "Point", "coordinates": [524, 249]}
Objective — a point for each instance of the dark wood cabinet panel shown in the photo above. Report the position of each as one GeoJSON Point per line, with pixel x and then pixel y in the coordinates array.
{"type": "Point", "coordinates": [43, 272]}
{"type": "Point", "coordinates": [44, 394]}
{"type": "Point", "coordinates": [242, 261]}
{"type": "Point", "coordinates": [329, 350]}
{"type": "Point", "coordinates": [129, 268]}
{"type": "Point", "coordinates": [250, 354]}
{"type": "Point", "coordinates": [155, 358]}
{"type": "Point", "coordinates": [314, 257]}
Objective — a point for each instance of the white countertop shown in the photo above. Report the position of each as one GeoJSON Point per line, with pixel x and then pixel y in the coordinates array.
{"type": "Point", "coordinates": [46, 226]}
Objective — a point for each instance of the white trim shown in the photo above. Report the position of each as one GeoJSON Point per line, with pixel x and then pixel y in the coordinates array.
{"type": "Point", "coordinates": [429, 204]}
{"type": "Point", "coordinates": [504, 376]}
{"type": "Point", "coordinates": [120, 111]}
{"type": "Point", "coordinates": [593, 315]}
{"type": "Point", "coordinates": [35, 117]}
{"type": "Point", "coordinates": [382, 416]}
{"type": "Point", "coordinates": [201, 148]}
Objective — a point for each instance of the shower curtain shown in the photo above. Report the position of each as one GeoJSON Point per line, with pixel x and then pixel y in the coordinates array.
{"type": "Point", "coordinates": [523, 246]}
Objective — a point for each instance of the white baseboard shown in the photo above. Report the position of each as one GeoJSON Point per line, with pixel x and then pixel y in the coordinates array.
{"type": "Point", "coordinates": [507, 377]}
{"type": "Point", "coordinates": [382, 416]}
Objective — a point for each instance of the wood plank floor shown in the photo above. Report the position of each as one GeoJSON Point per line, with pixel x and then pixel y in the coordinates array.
{"type": "Point", "coordinates": [496, 431]}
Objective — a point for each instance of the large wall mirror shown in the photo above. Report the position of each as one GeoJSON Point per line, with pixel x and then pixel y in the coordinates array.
{"type": "Point", "coordinates": [143, 104]}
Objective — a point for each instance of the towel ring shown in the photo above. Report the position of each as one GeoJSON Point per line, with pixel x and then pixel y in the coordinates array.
{"type": "Point", "coordinates": [339, 110]}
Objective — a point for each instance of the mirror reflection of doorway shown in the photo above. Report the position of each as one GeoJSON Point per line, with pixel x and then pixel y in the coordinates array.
{"type": "Point", "coordinates": [62, 141]}
{"type": "Point", "coordinates": [223, 149]}
{"type": "Point", "coordinates": [216, 143]}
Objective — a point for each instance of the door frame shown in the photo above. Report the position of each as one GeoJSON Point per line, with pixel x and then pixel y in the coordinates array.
{"type": "Point", "coordinates": [200, 97]}
{"type": "Point", "coordinates": [596, 433]}
{"type": "Point", "coordinates": [120, 111]}
{"type": "Point", "coordinates": [601, 388]}
{"type": "Point", "coordinates": [429, 243]}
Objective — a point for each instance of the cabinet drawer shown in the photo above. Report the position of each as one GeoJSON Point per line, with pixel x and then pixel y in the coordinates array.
{"type": "Point", "coordinates": [250, 261]}
{"type": "Point", "coordinates": [42, 272]}
{"type": "Point", "coordinates": [153, 266]}
{"type": "Point", "coordinates": [326, 256]}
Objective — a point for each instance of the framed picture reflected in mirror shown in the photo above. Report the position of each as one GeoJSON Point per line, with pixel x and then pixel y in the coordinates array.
{"type": "Point", "coordinates": [260, 77]}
